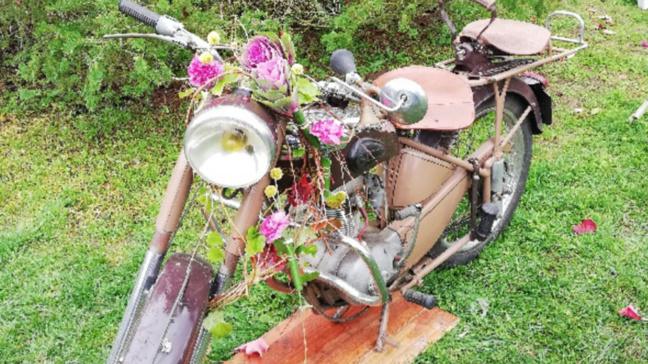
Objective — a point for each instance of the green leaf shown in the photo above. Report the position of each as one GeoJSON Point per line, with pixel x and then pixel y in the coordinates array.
{"type": "Point", "coordinates": [214, 239]}
{"type": "Point", "coordinates": [307, 277]}
{"type": "Point", "coordinates": [215, 255]}
{"type": "Point", "coordinates": [280, 245]}
{"type": "Point", "coordinates": [288, 46]}
{"type": "Point", "coordinates": [283, 103]}
{"type": "Point", "coordinates": [215, 323]}
{"type": "Point", "coordinates": [224, 81]}
{"type": "Point", "coordinates": [298, 152]}
{"type": "Point", "coordinates": [254, 242]}
{"type": "Point", "coordinates": [307, 91]}
{"type": "Point", "coordinates": [186, 93]}
{"type": "Point", "coordinates": [307, 249]}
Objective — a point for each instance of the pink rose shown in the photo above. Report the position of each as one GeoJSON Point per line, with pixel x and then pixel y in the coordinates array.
{"type": "Point", "coordinates": [200, 73]}
{"type": "Point", "coordinates": [273, 226]}
{"type": "Point", "coordinates": [258, 50]}
{"type": "Point", "coordinates": [272, 73]}
{"type": "Point", "coordinates": [328, 131]}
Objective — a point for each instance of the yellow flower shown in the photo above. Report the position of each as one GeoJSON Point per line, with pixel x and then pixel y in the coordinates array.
{"type": "Point", "coordinates": [297, 69]}
{"type": "Point", "coordinates": [206, 58]}
{"type": "Point", "coordinates": [270, 191]}
{"type": "Point", "coordinates": [213, 38]}
{"type": "Point", "coordinates": [276, 174]}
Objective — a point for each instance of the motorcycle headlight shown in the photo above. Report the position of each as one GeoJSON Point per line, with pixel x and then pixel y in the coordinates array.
{"type": "Point", "coordinates": [229, 146]}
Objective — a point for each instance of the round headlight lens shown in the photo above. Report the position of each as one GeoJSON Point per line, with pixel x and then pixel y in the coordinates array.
{"type": "Point", "coordinates": [229, 146]}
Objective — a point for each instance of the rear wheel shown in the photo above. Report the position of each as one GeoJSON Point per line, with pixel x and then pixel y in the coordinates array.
{"type": "Point", "coordinates": [517, 159]}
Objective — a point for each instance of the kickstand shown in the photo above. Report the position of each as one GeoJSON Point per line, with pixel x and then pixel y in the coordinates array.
{"type": "Point", "coordinates": [382, 331]}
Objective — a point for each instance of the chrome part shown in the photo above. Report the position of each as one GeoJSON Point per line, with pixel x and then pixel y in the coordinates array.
{"type": "Point", "coordinates": [347, 291]}
{"type": "Point", "coordinates": [358, 270]}
{"type": "Point", "coordinates": [200, 348]}
{"type": "Point", "coordinates": [407, 97]}
{"type": "Point", "coordinates": [368, 97]}
{"type": "Point", "coordinates": [581, 26]}
{"type": "Point", "coordinates": [231, 203]}
{"type": "Point", "coordinates": [229, 146]}
{"type": "Point", "coordinates": [145, 278]}
{"type": "Point", "coordinates": [497, 178]}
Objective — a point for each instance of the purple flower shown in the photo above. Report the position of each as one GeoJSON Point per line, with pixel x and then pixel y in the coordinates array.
{"type": "Point", "coordinates": [328, 131]}
{"type": "Point", "coordinates": [272, 73]}
{"type": "Point", "coordinates": [258, 50]}
{"type": "Point", "coordinates": [200, 73]}
{"type": "Point", "coordinates": [273, 226]}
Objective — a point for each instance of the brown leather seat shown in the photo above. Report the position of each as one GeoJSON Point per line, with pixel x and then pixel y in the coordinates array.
{"type": "Point", "coordinates": [510, 36]}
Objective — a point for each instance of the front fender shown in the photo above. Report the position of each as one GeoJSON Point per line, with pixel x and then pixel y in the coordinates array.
{"type": "Point", "coordinates": [531, 91]}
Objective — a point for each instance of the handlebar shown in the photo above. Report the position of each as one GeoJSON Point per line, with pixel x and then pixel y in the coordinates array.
{"type": "Point", "coordinates": [139, 12]}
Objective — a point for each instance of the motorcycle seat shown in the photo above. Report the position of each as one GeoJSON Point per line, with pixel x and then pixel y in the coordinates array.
{"type": "Point", "coordinates": [510, 36]}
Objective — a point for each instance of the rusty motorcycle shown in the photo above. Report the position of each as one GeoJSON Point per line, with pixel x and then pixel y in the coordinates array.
{"type": "Point", "coordinates": [441, 154]}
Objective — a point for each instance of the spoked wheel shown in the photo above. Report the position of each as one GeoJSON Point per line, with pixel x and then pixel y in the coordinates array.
{"type": "Point", "coordinates": [517, 159]}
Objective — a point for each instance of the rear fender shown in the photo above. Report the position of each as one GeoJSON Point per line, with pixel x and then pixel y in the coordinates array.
{"type": "Point", "coordinates": [164, 334]}
{"type": "Point", "coordinates": [531, 91]}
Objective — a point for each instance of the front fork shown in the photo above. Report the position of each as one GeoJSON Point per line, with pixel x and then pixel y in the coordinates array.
{"type": "Point", "coordinates": [167, 222]}
{"type": "Point", "coordinates": [165, 226]}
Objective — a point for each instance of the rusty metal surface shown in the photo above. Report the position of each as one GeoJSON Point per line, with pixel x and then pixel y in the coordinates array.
{"type": "Point", "coordinates": [450, 99]}
{"type": "Point", "coordinates": [483, 94]}
{"type": "Point", "coordinates": [163, 336]}
{"type": "Point", "coordinates": [175, 197]}
{"type": "Point", "coordinates": [510, 36]}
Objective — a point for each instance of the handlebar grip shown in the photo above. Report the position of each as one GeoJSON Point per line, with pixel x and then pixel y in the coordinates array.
{"type": "Point", "coordinates": [139, 12]}
{"type": "Point", "coordinates": [422, 299]}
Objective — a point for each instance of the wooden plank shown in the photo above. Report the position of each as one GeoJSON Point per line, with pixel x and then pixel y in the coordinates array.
{"type": "Point", "coordinates": [412, 327]}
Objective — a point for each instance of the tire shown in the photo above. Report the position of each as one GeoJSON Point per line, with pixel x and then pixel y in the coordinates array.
{"type": "Point", "coordinates": [514, 108]}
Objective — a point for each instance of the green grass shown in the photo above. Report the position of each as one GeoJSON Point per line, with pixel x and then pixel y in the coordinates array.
{"type": "Point", "coordinates": [79, 195]}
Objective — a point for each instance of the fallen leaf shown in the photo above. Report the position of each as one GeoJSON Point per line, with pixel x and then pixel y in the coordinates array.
{"type": "Point", "coordinates": [258, 346]}
{"type": "Point", "coordinates": [595, 111]}
{"type": "Point", "coordinates": [630, 312]}
{"type": "Point", "coordinates": [586, 226]}
{"type": "Point", "coordinates": [644, 43]}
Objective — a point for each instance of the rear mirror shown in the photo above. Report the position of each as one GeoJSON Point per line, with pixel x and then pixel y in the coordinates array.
{"type": "Point", "coordinates": [410, 95]}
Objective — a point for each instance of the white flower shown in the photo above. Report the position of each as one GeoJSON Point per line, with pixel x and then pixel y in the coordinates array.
{"type": "Point", "coordinates": [213, 38]}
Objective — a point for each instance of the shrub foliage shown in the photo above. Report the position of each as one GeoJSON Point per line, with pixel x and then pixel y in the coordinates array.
{"type": "Point", "coordinates": [53, 57]}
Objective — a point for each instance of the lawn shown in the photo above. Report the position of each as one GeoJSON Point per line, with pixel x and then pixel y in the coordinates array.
{"type": "Point", "coordinates": [79, 194]}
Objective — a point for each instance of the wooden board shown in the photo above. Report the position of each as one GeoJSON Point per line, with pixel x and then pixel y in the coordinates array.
{"type": "Point", "coordinates": [412, 327]}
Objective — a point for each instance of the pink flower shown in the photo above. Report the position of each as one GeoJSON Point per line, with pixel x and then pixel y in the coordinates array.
{"type": "Point", "coordinates": [272, 73]}
{"type": "Point", "coordinates": [586, 226]}
{"type": "Point", "coordinates": [630, 312]}
{"type": "Point", "coordinates": [258, 346]}
{"type": "Point", "coordinates": [259, 50]}
{"type": "Point", "coordinates": [328, 131]}
{"type": "Point", "coordinates": [200, 73]}
{"type": "Point", "coordinates": [273, 225]}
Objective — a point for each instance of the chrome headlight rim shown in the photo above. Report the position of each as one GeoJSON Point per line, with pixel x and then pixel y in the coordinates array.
{"type": "Point", "coordinates": [234, 117]}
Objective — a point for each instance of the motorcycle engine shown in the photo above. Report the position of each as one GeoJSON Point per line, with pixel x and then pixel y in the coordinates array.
{"type": "Point", "coordinates": [344, 276]}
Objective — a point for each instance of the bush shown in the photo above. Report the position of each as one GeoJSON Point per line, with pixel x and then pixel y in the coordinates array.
{"type": "Point", "coordinates": [54, 58]}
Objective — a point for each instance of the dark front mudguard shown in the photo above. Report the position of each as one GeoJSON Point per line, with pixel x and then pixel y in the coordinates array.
{"type": "Point", "coordinates": [530, 90]}
{"type": "Point", "coordinates": [171, 320]}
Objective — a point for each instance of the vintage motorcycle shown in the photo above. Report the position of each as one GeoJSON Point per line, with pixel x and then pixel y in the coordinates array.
{"type": "Point", "coordinates": [439, 155]}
